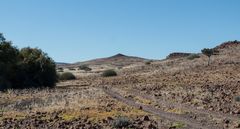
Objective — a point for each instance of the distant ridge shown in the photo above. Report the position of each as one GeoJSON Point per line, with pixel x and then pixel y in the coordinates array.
{"type": "Point", "coordinates": [61, 63]}
{"type": "Point", "coordinates": [118, 60]}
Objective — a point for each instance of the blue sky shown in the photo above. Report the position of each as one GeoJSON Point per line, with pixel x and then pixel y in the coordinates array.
{"type": "Point", "coordinates": [78, 30]}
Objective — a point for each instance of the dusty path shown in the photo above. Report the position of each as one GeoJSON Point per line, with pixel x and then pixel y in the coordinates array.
{"type": "Point", "coordinates": [170, 116]}
{"type": "Point", "coordinates": [185, 107]}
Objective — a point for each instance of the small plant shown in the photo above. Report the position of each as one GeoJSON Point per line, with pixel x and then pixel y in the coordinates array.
{"type": "Point", "coordinates": [1, 113]}
{"type": "Point", "coordinates": [67, 76]}
{"type": "Point", "coordinates": [109, 73]}
{"type": "Point", "coordinates": [177, 125]}
{"type": "Point", "coordinates": [84, 67]}
{"type": "Point", "coordinates": [193, 56]}
{"type": "Point", "coordinates": [121, 122]}
{"type": "Point", "coordinates": [237, 99]}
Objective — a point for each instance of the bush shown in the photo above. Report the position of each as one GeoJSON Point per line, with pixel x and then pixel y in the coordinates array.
{"type": "Point", "coordinates": [67, 76]}
{"type": "Point", "coordinates": [29, 67]}
{"type": "Point", "coordinates": [148, 62]}
{"type": "Point", "coordinates": [177, 125]}
{"type": "Point", "coordinates": [121, 122]}
{"type": "Point", "coordinates": [237, 99]}
{"type": "Point", "coordinates": [109, 73]}
{"type": "Point", "coordinates": [84, 67]}
{"type": "Point", "coordinates": [193, 56]}
{"type": "Point", "coordinates": [60, 70]}
{"type": "Point", "coordinates": [71, 69]}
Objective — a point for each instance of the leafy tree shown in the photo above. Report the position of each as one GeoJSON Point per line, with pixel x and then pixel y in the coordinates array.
{"type": "Point", "coordinates": [8, 63]}
{"type": "Point", "coordinates": [29, 67]}
{"type": "Point", "coordinates": [2, 38]}
{"type": "Point", "coordinates": [209, 52]}
{"type": "Point", "coordinates": [37, 69]}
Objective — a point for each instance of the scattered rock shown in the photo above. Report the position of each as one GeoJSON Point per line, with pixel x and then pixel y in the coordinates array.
{"type": "Point", "coordinates": [145, 118]}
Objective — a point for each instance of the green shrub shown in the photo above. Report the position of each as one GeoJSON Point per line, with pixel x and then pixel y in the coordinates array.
{"type": "Point", "coordinates": [177, 125]}
{"type": "Point", "coordinates": [237, 99]}
{"type": "Point", "coordinates": [84, 67]}
{"type": "Point", "coordinates": [67, 76]}
{"type": "Point", "coordinates": [148, 62]}
{"type": "Point", "coordinates": [121, 122]}
{"type": "Point", "coordinates": [193, 56]}
{"type": "Point", "coordinates": [109, 73]}
{"type": "Point", "coordinates": [71, 69]}
{"type": "Point", "coordinates": [60, 69]}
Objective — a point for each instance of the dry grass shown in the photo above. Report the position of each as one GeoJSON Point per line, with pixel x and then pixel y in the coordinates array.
{"type": "Point", "coordinates": [142, 100]}
{"type": "Point", "coordinates": [83, 102]}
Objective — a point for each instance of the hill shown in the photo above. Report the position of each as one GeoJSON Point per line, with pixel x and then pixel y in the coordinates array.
{"type": "Point", "coordinates": [118, 60]}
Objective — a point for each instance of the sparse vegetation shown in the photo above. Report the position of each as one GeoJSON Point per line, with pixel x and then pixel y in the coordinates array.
{"type": "Point", "coordinates": [209, 52]}
{"type": "Point", "coordinates": [144, 95]}
{"type": "Point", "coordinates": [67, 76]}
{"type": "Point", "coordinates": [109, 73]}
{"type": "Point", "coordinates": [121, 122]}
{"type": "Point", "coordinates": [25, 68]}
{"type": "Point", "coordinates": [193, 56]}
{"type": "Point", "coordinates": [84, 67]}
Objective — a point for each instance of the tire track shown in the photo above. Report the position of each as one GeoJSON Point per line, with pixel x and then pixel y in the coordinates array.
{"type": "Point", "coordinates": [166, 115]}
{"type": "Point", "coordinates": [185, 107]}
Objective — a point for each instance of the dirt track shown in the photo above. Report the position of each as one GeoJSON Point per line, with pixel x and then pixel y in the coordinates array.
{"type": "Point", "coordinates": [170, 116]}
{"type": "Point", "coordinates": [185, 107]}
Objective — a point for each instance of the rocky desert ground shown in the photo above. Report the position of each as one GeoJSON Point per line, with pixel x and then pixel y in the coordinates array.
{"type": "Point", "coordinates": [177, 92]}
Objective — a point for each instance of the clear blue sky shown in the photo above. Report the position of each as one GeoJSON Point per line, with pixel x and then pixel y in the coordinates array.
{"type": "Point", "coordinates": [77, 30]}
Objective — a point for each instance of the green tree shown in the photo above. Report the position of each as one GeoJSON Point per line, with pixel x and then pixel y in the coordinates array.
{"type": "Point", "coordinates": [37, 69]}
{"type": "Point", "coordinates": [2, 38]}
{"type": "Point", "coordinates": [29, 67]}
{"type": "Point", "coordinates": [8, 63]}
{"type": "Point", "coordinates": [209, 52]}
